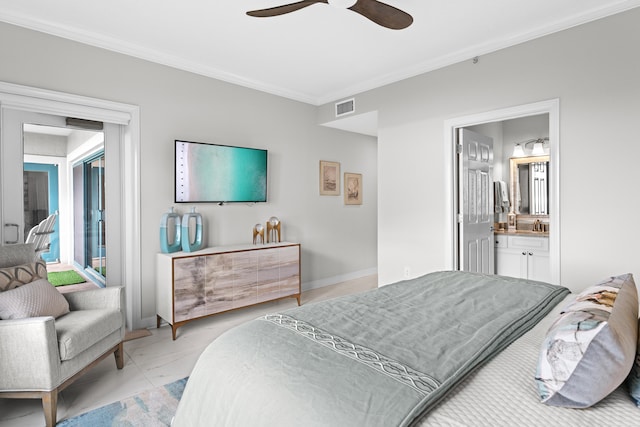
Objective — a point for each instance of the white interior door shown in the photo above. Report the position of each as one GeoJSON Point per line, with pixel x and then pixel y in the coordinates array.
{"type": "Point", "coordinates": [11, 169]}
{"type": "Point", "coordinates": [476, 251]}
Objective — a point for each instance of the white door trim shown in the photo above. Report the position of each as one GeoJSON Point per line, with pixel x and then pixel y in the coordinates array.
{"type": "Point", "coordinates": [128, 116]}
{"type": "Point", "coordinates": [551, 107]}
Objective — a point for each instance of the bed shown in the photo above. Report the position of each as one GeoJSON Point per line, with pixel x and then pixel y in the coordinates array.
{"type": "Point", "coordinates": [444, 349]}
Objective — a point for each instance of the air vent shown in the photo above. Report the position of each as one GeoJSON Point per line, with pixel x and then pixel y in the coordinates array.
{"type": "Point", "coordinates": [72, 122]}
{"type": "Point", "coordinates": [345, 107]}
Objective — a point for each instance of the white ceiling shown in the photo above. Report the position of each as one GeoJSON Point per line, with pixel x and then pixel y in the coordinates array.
{"type": "Point", "coordinates": [316, 55]}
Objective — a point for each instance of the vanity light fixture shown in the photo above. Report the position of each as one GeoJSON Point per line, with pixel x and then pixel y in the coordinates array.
{"type": "Point", "coordinates": [518, 151]}
{"type": "Point", "coordinates": [538, 147]}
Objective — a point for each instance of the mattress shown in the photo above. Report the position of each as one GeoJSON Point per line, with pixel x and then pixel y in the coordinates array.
{"type": "Point", "coordinates": [503, 392]}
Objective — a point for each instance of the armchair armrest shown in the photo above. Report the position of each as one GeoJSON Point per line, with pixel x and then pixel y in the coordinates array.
{"type": "Point", "coordinates": [111, 297]}
{"type": "Point", "coordinates": [29, 356]}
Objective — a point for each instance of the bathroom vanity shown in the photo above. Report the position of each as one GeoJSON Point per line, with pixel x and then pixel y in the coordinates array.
{"type": "Point", "coordinates": [523, 254]}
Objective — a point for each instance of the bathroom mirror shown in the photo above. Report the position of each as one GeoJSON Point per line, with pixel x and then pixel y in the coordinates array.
{"type": "Point", "coordinates": [530, 185]}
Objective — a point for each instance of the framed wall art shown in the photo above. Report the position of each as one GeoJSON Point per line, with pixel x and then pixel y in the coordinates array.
{"type": "Point", "coordinates": [329, 178]}
{"type": "Point", "coordinates": [352, 188]}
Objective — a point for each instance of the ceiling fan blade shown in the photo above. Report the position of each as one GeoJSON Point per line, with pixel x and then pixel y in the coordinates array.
{"type": "Point", "coordinates": [383, 14]}
{"type": "Point", "coordinates": [281, 10]}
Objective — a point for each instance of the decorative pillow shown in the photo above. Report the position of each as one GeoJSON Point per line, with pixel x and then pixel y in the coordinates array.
{"type": "Point", "coordinates": [12, 277]}
{"type": "Point", "coordinates": [634, 377]}
{"type": "Point", "coordinates": [589, 350]}
{"type": "Point", "coordinates": [34, 299]}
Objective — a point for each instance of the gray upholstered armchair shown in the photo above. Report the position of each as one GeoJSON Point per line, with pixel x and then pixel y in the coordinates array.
{"type": "Point", "coordinates": [40, 356]}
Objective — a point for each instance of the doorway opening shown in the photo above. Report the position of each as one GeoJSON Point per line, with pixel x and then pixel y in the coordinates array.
{"type": "Point", "coordinates": [77, 200]}
{"type": "Point", "coordinates": [550, 111]}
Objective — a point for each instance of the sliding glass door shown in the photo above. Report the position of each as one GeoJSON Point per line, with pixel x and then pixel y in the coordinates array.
{"type": "Point", "coordinates": [89, 216]}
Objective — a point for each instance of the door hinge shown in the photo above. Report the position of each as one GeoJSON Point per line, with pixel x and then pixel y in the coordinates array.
{"type": "Point", "coordinates": [459, 148]}
{"type": "Point", "coordinates": [459, 218]}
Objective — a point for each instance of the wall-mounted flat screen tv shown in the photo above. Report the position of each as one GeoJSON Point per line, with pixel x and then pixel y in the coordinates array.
{"type": "Point", "coordinates": [208, 173]}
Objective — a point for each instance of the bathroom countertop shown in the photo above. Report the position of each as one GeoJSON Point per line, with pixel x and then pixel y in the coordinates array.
{"type": "Point", "coordinates": [522, 233]}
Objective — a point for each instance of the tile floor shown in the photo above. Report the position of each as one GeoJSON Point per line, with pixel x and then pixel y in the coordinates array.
{"type": "Point", "coordinates": [156, 360]}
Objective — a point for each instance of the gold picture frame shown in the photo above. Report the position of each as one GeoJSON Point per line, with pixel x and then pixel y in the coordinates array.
{"type": "Point", "coordinates": [329, 178]}
{"type": "Point", "coordinates": [352, 188]}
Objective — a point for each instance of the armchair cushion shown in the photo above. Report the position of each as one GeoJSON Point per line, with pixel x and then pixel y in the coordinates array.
{"type": "Point", "coordinates": [12, 277]}
{"type": "Point", "coordinates": [35, 299]}
{"type": "Point", "coordinates": [79, 330]}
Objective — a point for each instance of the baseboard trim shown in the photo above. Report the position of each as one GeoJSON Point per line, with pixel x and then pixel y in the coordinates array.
{"type": "Point", "coordinates": [321, 283]}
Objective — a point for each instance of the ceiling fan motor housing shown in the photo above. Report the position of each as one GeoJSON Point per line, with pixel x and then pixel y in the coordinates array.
{"type": "Point", "coordinates": [342, 4]}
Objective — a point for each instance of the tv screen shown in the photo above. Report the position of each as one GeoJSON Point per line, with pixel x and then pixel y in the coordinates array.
{"type": "Point", "coordinates": [207, 173]}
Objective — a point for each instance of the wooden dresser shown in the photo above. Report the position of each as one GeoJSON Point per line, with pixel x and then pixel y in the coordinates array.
{"type": "Point", "coordinates": [193, 285]}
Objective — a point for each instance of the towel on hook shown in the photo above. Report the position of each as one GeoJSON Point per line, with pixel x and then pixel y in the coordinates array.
{"type": "Point", "coordinates": [501, 196]}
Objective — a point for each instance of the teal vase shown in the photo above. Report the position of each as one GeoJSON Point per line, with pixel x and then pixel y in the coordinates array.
{"type": "Point", "coordinates": [166, 246]}
{"type": "Point", "coordinates": [189, 245]}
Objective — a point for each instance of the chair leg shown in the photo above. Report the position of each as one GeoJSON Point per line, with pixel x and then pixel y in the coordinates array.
{"type": "Point", "coordinates": [119, 354]}
{"type": "Point", "coordinates": [50, 406]}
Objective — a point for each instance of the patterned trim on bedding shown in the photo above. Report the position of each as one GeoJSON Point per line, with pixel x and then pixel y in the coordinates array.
{"type": "Point", "coordinates": [420, 382]}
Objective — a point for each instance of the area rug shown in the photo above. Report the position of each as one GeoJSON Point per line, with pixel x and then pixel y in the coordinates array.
{"type": "Point", "coordinates": [62, 278]}
{"type": "Point", "coordinates": [151, 408]}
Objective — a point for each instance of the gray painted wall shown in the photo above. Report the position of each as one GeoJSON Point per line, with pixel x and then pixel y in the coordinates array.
{"type": "Point", "coordinates": [338, 242]}
{"type": "Point", "coordinates": [593, 70]}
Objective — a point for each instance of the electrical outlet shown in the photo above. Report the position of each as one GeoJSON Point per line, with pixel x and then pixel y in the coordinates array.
{"type": "Point", "coordinates": [407, 272]}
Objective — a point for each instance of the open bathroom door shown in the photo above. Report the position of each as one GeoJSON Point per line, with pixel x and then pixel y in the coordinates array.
{"type": "Point", "coordinates": [476, 216]}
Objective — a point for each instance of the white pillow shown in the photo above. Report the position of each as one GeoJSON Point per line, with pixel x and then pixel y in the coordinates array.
{"type": "Point", "coordinates": [589, 350]}
{"type": "Point", "coordinates": [38, 298]}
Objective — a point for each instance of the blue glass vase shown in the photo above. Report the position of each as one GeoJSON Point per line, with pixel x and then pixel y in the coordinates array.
{"type": "Point", "coordinates": [166, 246]}
{"type": "Point", "coordinates": [189, 245]}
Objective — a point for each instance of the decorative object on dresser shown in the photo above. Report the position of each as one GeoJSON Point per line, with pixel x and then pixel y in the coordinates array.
{"type": "Point", "coordinates": [274, 230]}
{"type": "Point", "coordinates": [258, 234]}
{"type": "Point", "coordinates": [352, 188]}
{"type": "Point", "coordinates": [218, 279]}
{"type": "Point", "coordinates": [170, 241]}
{"type": "Point", "coordinates": [329, 178]}
{"type": "Point", "coordinates": [189, 243]}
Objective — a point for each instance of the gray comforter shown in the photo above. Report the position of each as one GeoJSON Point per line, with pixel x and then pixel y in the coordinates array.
{"type": "Point", "coordinates": [380, 358]}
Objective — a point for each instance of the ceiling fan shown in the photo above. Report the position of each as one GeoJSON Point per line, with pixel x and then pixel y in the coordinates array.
{"type": "Point", "coordinates": [378, 12]}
